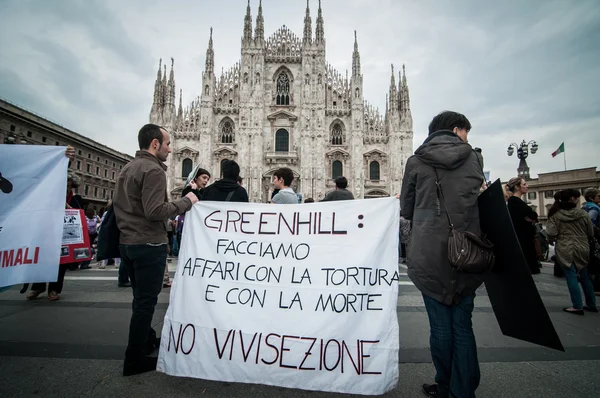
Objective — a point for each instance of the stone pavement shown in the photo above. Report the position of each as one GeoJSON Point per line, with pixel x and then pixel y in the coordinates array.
{"type": "Point", "coordinates": [74, 348]}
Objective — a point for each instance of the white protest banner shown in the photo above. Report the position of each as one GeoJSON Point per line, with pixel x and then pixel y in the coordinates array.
{"type": "Point", "coordinates": [33, 186]}
{"type": "Point", "coordinates": [300, 296]}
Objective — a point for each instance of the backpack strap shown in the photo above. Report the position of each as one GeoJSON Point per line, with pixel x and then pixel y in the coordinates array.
{"type": "Point", "coordinates": [229, 195]}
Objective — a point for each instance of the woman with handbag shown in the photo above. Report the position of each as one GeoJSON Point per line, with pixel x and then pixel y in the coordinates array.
{"type": "Point", "coordinates": [572, 228]}
{"type": "Point", "coordinates": [440, 188]}
{"type": "Point", "coordinates": [524, 219]}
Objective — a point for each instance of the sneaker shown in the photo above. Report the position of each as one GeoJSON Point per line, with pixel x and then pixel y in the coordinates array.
{"type": "Point", "coordinates": [124, 284]}
{"type": "Point", "coordinates": [431, 390]}
{"type": "Point", "coordinates": [102, 266]}
{"type": "Point", "coordinates": [34, 294]}
{"type": "Point", "coordinates": [590, 309]}
{"type": "Point", "coordinates": [142, 365]}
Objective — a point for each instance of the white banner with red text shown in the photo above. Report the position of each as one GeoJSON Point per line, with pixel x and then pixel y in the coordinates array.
{"type": "Point", "coordinates": [300, 296]}
{"type": "Point", "coordinates": [33, 184]}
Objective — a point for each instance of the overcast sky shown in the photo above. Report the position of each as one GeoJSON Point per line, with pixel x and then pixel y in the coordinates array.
{"type": "Point", "coordinates": [519, 70]}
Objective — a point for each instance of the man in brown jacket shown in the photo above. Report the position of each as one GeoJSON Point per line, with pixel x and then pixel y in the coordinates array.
{"type": "Point", "coordinates": [141, 210]}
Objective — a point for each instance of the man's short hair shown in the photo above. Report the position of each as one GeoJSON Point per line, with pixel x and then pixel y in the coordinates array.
{"type": "Point", "coordinates": [591, 194]}
{"type": "Point", "coordinates": [287, 174]}
{"type": "Point", "coordinates": [202, 171]}
{"type": "Point", "coordinates": [309, 200]}
{"type": "Point", "coordinates": [341, 182]}
{"type": "Point", "coordinates": [148, 133]}
{"type": "Point", "coordinates": [230, 169]}
{"type": "Point", "coordinates": [448, 120]}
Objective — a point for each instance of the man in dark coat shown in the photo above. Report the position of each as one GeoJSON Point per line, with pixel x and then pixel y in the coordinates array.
{"type": "Point", "coordinates": [227, 189]}
{"type": "Point", "coordinates": [448, 295]}
{"type": "Point", "coordinates": [340, 192]}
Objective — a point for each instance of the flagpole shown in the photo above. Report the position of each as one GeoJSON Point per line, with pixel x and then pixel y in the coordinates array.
{"type": "Point", "coordinates": [565, 158]}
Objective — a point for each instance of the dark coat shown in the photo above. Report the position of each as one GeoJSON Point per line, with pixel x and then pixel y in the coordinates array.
{"type": "Point", "coordinates": [198, 192]}
{"type": "Point", "coordinates": [461, 177]}
{"type": "Point", "coordinates": [525, 230]}
{"type": "Point", "coordinates": [219, 190]}
{"type": "Point", "coordinates": [338, 194]}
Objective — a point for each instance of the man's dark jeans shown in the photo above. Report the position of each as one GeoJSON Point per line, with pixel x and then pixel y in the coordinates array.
{"type": "Point", "coordinates": [453, 347]}
{"type": "Point", "coordinates": [146, 267]}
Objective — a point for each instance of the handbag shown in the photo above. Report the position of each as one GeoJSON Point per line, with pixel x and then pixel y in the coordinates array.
{"type": "Point", "coordinates": [467, 252]}
{"type": "Point", "coordinates": [108, 237]}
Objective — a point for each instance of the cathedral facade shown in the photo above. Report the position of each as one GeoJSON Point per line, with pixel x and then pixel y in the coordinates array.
{"type": "Point", "coordinates": [284, 105]}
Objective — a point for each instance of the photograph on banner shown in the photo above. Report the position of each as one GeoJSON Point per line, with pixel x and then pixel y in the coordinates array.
{"type": "Point", "coordinates": [75, 239]}
{"type": "Point", "coordinates": [30, 228]}
{"type": "Point", "coordinates": [287, 295]}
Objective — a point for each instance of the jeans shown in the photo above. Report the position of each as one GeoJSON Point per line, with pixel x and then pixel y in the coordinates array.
{"type": "Point", "coordinates": [145, 265]}
{"type": "Point", "coordinates": [586, 284]}
{"type": "Point", "coordinates": [453, 347]}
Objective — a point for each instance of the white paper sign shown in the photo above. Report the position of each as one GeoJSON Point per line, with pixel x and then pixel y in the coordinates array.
{"type": "Point", "coordinates": [32, 207]}
{"type": "Point", "coordinates": [72, 231]}
{"type": "Point", "coordinates": [301, 296]}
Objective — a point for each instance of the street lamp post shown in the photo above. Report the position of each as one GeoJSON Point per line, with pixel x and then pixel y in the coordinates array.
{"type": "Point", "coordinates": [522, 154]}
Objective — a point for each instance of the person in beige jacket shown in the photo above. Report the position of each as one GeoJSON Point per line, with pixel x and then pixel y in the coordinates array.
{"type": "Point", "coordinates": [572, 229]}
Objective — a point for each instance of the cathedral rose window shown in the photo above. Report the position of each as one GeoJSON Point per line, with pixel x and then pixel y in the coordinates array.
{"type": "Point", "coordinates": [337, 137]}
{"type": "Point", "coordinates": [227, 132]}
{"type": "Point", "coordinates": [283, 89]}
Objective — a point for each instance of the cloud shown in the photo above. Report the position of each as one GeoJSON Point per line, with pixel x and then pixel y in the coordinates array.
{"type": "Point", "coordinates": [518, 70]}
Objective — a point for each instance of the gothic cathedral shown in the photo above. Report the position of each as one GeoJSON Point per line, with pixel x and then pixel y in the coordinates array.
{"type": "Point", "coordinates": [282, 105]}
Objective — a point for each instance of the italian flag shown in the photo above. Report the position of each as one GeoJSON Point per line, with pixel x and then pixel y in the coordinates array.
{"type": "Point", "coordinates": [560, 150]}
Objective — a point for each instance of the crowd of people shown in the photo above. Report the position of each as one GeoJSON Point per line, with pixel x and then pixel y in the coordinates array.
{"type": "Point", "coordinates": [151, 230]}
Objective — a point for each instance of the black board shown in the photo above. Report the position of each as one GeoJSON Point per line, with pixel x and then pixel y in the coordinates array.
{"type": "Point", "coordinates": [511, 289]}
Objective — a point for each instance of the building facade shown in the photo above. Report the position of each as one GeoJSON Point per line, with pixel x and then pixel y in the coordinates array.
{"type": "Point", "coordinates": [284, 105]}
{"type": "Point", "coordinates": [542, 189]}
{"type": "Point", "coordinates": [96, 166]}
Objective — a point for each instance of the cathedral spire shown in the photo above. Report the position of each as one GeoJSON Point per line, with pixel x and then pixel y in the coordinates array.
{"type": "Point", "coordinates": [355, 58]}
{"type": "Point", "coordinates": [247, 25]}
{"type": "Point", "coordinates": [259, 32]}
{"type": "Point", "coordinates": [171, 84]}
{"type": "Point", "coordinates": [320, 31]}
{"type": "Point", "coordinates": [157, 84]}
{"type": "Point", "coordinates": [393, 93]}
{"type": "Point", "coordinates": [180, 110]}
{"type": "Point", "coordinates": [163, 87]}
{"type": "Point", "coordinates": [405, 98]}
{"type": "Point", "coordinates": [179, 118]}
{"type": "Point", "coordinates": [210, 56]}
{"type": "Point", "coordinates": [307, 39]}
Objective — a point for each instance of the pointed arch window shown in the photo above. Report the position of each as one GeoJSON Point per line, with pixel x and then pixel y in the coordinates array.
{"type": "Point", "coordinates": [186, 167]}
{"type": "Point", "coordinates": [337, 135]}
{"type": "Point", "coordinates": [283, 89]}
{"type": "Point", "coordinates": [227, 134]}
{"type": "Point", "coordinates": [374, 171]}
{"type": "Point", "coordinates": [282, 141]}
{"type": "Point", "coordinates": [337, 169]}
